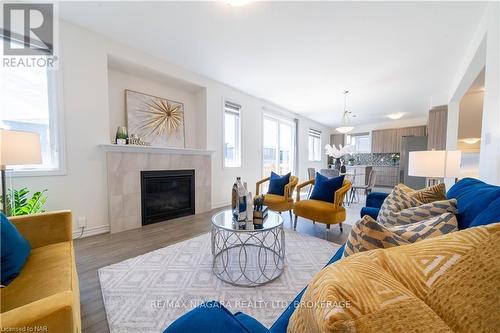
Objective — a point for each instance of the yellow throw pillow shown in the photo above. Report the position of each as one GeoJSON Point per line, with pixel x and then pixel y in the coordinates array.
{"type": "Point", "coordinates": [428, 194]}
{"type": "Point", "coordinates": [367, 234]}
{"type": "Point", "coordinates": [444, 284]}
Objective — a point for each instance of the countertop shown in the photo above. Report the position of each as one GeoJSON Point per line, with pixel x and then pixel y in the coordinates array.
{"type": "Point", "coordinates": [367, 165]}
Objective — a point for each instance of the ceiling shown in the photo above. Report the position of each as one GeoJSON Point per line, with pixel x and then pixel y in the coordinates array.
{"type": "Point", "coordinates": [392, 56]}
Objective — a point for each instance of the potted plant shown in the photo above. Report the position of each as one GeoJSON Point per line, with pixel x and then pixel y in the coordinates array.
{"type": "Point", "coordinates": [121, 135]}
{"type": "Point", "coordinates": [19, 202]}
{"type": "Point", "coordinates": [395, 158]}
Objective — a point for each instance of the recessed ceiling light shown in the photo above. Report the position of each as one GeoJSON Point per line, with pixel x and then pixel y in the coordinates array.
{"type": "Point", "coordinates": [237, 3]}
{"type": "Point", "coordinates": [471, 141]}
{"type": "Point", "coordinates": [395, 116]}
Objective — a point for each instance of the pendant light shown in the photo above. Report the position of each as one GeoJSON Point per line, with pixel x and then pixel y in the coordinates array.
{"type": "Point", "coordinates": [345, 128]}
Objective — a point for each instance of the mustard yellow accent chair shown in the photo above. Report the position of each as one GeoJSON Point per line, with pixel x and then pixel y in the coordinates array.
{"type": "Point", "coordinates": [279, 203]}
{"type": "Point", "coordinates": [322, 211]}
{"type": "Point", "coordinates": [46, 293]}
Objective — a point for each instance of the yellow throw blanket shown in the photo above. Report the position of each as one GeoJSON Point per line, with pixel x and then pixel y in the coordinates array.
{"type": "Point", "coordinates": [443, 284]}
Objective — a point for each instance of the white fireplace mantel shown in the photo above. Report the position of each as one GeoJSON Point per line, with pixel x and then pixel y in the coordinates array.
{"type": "Point", "coordinates": [153, 150]}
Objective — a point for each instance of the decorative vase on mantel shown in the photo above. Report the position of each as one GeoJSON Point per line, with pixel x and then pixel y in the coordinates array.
{"type": "Point", "coordinates": [121, 135]}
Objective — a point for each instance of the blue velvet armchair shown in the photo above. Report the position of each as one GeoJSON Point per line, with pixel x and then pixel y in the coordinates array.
{"type": "Point", "coordinates": [374, 201]}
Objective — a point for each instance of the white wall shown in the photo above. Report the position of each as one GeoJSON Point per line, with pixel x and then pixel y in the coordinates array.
{"type": "Point", "coordinates": [483, 52]}
{"type": "Point", "coordinates": [88, 122]}
{"type": "Point", "coordinates": [470, 115]}
{"type": "Point", "coordinates": [119, 81]}
{"type": "Point", "coordinates": [304, 163]}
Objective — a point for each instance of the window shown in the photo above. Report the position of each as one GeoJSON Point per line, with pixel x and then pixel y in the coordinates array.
{"type": "Point", "coordinates": [232, 135]}
{"type": "Point", "coordinates": [27, 103]}
{"type": "Point", "coordinates": [314, 145]}
{"type": "Point", "coordinates": [360, 142]}
{"type": "Point", "coordinates": [279, 145]}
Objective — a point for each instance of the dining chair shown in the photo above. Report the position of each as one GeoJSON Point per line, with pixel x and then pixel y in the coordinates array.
{"type": "Point", "coordinates": [367, 188]}
{"type": "Point", "coordinates": [330, 173]}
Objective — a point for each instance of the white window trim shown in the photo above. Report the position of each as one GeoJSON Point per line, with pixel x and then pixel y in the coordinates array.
{"type": "Point", "coordinates": [56, 123]}
{"type": "Point", "coordinates": [320, 143]}
{"type": "Point", "coordinates": [224, 166]}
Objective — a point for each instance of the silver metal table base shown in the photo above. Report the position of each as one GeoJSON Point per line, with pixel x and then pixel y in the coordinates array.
{"type": "Point", "coordinates": [248, 258]}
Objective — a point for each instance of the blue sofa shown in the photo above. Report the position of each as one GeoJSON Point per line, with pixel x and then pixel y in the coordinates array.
{"type": "Point", "coordinates": [478, 204]}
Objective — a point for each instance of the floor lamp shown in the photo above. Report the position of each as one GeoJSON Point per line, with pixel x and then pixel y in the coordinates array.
{"type": "Point", "coordinates": [435, 164]}
{"type": "Point", "coordinates": [17, 148]}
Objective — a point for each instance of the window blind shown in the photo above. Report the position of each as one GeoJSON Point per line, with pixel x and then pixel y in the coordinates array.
{"type": "Point", "coordinates": [232, 107]}
{"type": "Point", "coordinates": [314, 133]}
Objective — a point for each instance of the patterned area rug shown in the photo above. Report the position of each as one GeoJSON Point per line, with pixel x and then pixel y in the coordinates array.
{"type": "Point", "coordinates": [148, 292]}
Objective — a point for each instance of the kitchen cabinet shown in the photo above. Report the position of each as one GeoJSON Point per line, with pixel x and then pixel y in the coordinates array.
{"type": "Point", "coordinates": [436, 126]}
{"type": "Point", "coordinates": [389, 140]}
{"type": "Point", "coordinates": [387, 176]}
{"type": "Point", "coordinates": [362, 173]}
{"type": "Point", "coordinates": [337, 139]}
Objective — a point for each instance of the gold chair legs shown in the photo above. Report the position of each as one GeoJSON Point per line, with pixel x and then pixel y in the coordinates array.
{"type": "Point", "coordinates": [314, 222]}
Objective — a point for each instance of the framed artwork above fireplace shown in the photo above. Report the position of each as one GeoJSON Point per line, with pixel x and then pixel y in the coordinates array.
{"type": "Point", "coordinates": [156, 120]}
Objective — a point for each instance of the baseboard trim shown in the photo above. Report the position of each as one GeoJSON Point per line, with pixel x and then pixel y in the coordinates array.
{"type": "Point", "coordinates": [220, 204]}
{"type": "Point", "coordinates": [91, 231]}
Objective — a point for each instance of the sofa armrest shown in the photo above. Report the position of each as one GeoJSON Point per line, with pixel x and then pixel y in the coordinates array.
{"type": "Point", "coordinates": [375, 199]}
{"type": "Point", "coordinates": [45, 228]}
{"type": "Point", "coordinates": [54, 311]}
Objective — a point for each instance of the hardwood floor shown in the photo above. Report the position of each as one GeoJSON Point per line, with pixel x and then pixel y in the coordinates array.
{"type": "Point", "coordinates": [98, 251]}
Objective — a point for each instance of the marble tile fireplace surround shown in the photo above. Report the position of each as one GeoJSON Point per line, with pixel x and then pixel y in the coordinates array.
{"type": "Point", "coordinates": [124, 166]}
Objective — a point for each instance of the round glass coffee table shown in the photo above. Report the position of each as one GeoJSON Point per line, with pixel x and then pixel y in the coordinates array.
{"type": "Point", "coordinates": [247, 254]}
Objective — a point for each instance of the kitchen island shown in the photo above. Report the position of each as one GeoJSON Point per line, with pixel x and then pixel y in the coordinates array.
{"type": "Point", "coordinates": [386, 175]}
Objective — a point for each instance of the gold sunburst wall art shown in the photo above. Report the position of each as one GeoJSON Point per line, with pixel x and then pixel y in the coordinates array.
{"type": "Point", "coordinates": [157, 120]}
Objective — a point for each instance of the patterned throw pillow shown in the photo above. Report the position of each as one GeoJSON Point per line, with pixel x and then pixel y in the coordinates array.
{"type": "Point", "coordinates": [419, 213]}
{"type": "Point", "coordinates": [395, 202]}
{"type": "Point", "coordinates": [368, 234]}
{"type": "Point", "coordinates": [428, 194]}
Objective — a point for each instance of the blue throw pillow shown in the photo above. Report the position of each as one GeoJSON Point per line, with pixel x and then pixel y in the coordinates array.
{"type": "Point", "coordinates": [324, 187]}
{"type": "Point", "coordinates": [210, 317]}
{"type": "Point", "coordinates": [15, 251]}
{"type": "Point", "coordinates": [277, 183]}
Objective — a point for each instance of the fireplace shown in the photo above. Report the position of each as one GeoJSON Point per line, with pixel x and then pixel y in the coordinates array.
{"type": "Point", "coordinates": [166, 194]}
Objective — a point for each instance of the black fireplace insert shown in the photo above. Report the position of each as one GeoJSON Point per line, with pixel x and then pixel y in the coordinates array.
{"type": "Point", "coordinates": [166, 194]}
